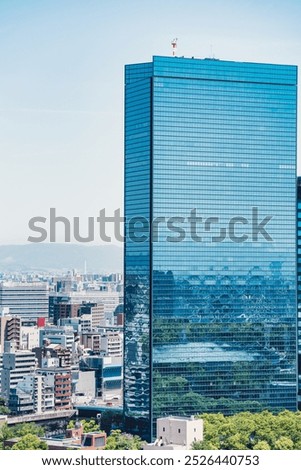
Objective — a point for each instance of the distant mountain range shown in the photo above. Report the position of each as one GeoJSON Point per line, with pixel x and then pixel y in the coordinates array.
{"type": "Point", "coordinates": [61, 257]}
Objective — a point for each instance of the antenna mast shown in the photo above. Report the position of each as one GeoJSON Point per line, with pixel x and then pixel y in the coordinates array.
{"type": "Point", "coordinates": [174, 46]}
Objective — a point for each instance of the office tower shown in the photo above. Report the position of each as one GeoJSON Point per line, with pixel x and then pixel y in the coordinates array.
{"type": "Point", "coordinates": [210, 296]}
{"type": "Point", "coordinates": [299, 285]}
{"type": "Point", "coordinates": [27, 300]}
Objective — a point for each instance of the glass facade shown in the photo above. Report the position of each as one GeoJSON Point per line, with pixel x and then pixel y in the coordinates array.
{"type": "Point", "coordinates": [299, 284]}
{"type": "Point", "coordinates": [210, 289]}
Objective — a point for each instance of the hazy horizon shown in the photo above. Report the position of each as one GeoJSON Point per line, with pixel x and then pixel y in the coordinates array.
{"type": "Point", "coordinates": [61, 104]}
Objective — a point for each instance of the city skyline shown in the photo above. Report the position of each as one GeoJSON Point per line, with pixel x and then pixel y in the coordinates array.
{"type": "Point", "coordinates": [185, 114]}
{"type": "Point", "coordinates": [62, 89]}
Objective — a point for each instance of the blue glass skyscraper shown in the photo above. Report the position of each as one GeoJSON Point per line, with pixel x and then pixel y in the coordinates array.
{"type": "Point", "coordinates": [210, 252]}
{"type": "Point", "coordinates": [299, 284]}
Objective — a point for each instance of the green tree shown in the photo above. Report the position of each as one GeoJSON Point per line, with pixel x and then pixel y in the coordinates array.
{"type": "Point", "coordinates": [120, 441]}
{"type": "Point", "coordinates": [30, 442]}
{"type": "Point", "coordinates": [3, 409]}
{"type": "Point", "coordinates": [262, 445]}
{"type": "Point", "coordinates": [19, 430]}
{"type": "Point", "coordinates": [199, 445]}
{"type": "Point", "coordinates": [23, 429]}
{"type": "Point", "coordinates": [284, 443]}
{"type": "Point", "coordinates": [5, 433]}
{"type": "Point", "coordinates": [259, 431]}
{"type": "Point", "coordinates": [89, 425]}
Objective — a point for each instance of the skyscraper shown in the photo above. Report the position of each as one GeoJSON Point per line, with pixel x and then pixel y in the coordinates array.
{"type": "Point", "coordinates": [299, 285]}
{"type": "Point", "coordinates": [210, 289]}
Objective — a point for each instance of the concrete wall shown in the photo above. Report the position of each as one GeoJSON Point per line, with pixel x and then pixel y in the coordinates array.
{"type": "Point", "coordinates": [86, 383]}
{"type": "Point", "coordinates": [180, 431]}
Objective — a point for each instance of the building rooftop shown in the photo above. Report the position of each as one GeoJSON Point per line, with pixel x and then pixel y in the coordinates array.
{"type": "Point", "coordinates": [208, 69]}
{"type": "Point", "coordinates": [183, 418]}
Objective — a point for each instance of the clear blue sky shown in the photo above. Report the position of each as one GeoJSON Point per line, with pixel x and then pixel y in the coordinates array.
{"type": "Point", "coordinates": [61, 88]}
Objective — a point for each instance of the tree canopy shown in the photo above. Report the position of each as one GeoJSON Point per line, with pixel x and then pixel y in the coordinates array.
{"type": "Point", "coordinates": [30, 442]}
{"type": "Point", "coordinates": [3, 409]}
{"type": "Point", "coordinates": [121, 441]}
{"type": "Point", "coordinates": [19, 430]}
{"type": "Point", "coordinates": [89, 425]}
{"type": "Point", "coordinates": [28, 428]}
{"type": "Point", "coordinates": [258, 431]}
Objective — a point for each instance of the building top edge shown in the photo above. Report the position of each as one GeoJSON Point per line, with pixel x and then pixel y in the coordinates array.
{"type": "Point", "coordinates": [212, 69]}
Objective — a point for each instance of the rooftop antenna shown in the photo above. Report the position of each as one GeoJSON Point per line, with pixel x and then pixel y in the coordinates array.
{"type": "Point", "coordinates": [174, 46]}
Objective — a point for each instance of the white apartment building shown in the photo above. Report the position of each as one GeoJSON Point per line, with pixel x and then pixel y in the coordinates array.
{"type": "Point", "coordinates": [15, 365]}
{"type": "Point", "coordinates": [32, 391]}
{"type": "Point", "coordinates": [112, 343]}
{"type": "Point", "coordinates": [29, 337]}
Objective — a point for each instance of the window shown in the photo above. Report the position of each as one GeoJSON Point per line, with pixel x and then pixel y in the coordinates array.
{"type": "Point", "coordinates": [163, 429]}
{"type": "Point", "coordinates": [179, 431]}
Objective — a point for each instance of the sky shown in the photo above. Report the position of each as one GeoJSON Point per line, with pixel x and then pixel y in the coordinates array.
{"type": "Point", "coordinates": [61, 88]}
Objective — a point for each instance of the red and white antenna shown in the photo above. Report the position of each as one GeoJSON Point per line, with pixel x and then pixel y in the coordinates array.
{"type": "Point", "coordinates": [174, 46]}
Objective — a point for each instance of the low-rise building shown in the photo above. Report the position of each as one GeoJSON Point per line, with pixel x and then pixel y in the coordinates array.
{"type": "Point", "coordinates": [92, 315]}
{"type": "Point", "coordinates": [62, 355]}
{"type": "Point", "coordinates": [108, 375]}
{"type": "Point", "coordinates": [64, 310]}
{"type": "Point", "coordinates": [29, 337]}
{"type": "Point", "coordinates": [106, 340]}
{"type": "Point", "coordinates": [84, 385]}
{"type": "Point", "coordinates": [57, 335]}
{"type": "Point", "coordinates": [28, 396]}
{"type": "Point", "coordinates": [91, 340]}
{"type": "Point", "coordinates": [112, 343]}
{"type": "Point", "coordinates": [176, 432]}
{"type": "Point", "coordinates": [58, 382]}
